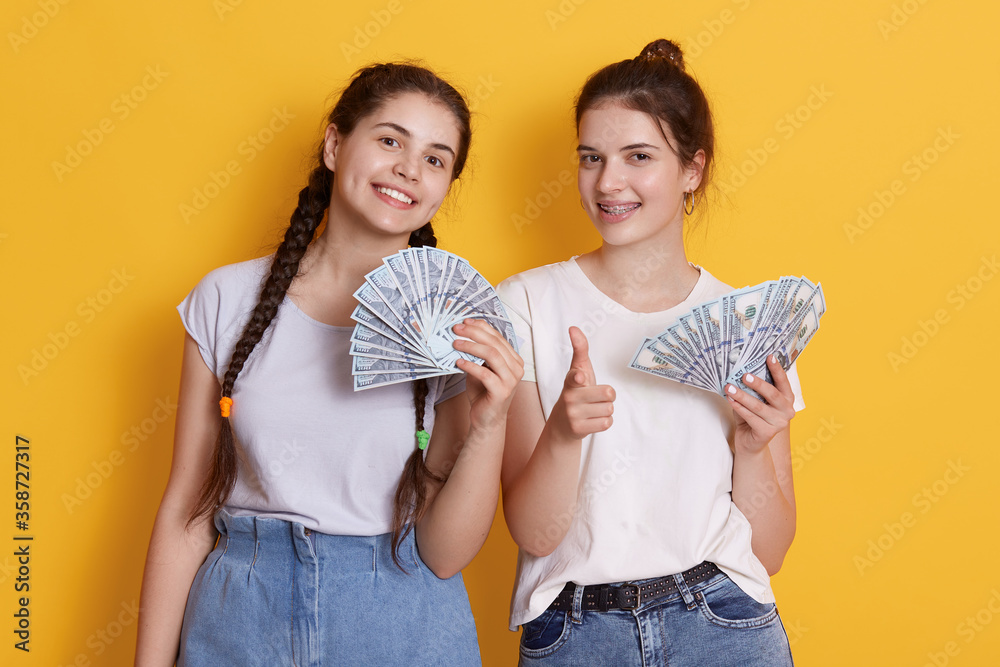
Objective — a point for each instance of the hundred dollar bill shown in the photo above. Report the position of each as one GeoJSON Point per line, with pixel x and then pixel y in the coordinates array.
{"type": "Point", "coordinates": [786, 351]}
{"type": "Point", "coordinates": [719, 341]}
{"type": "Point", "coordinates": [370, 381]}
{"type": "Point", "coordinates": [367, 365]}
{"type": "Point", "coordinates": [406, 315]}
{"type": "Point", "coordinates": [363, 316]}
{"type": "Point", "coordinates": [648, 361]}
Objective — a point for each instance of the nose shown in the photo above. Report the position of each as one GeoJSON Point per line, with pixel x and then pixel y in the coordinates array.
{"type": "Point", "coordinates": [408, 165]}
{"type": "Point", "coordinates": [612, 178]}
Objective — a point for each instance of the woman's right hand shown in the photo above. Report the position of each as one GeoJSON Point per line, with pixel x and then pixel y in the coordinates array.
{"type": "Point", "coordinates": [584, 407]}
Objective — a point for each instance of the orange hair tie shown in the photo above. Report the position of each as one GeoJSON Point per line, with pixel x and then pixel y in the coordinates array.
{"type": "Point", "coordinates": [224, 405]}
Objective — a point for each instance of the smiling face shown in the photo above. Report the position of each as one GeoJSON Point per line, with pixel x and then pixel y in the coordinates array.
{"type": "Point", "coordinates": [392, 172]}
{"type": "Point", "coordinates": [631, 183]}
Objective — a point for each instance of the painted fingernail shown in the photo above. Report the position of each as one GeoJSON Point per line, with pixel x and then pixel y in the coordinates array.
{"type": "Point", "coordinates": [731, 389]}
{"type": "Point", "coordinates": [750, 379]}
{"type": "Point", "coordinates": [774, 359]}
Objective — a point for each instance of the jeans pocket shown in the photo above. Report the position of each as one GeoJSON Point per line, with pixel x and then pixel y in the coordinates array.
{"type": "Point", "coordinates": [726, 605]}
{"type": "Point", "coordinates": [544, 635]}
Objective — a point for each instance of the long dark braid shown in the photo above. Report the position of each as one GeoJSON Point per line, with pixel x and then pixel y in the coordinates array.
{"type": "Point", "coordinates": [411, 493]}
{"type": "Point", "coordinates": [313, 202]}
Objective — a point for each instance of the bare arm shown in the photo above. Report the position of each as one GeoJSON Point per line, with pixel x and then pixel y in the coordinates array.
{"type": "Point", "coordinates": [467, 448]}
{"type": "Point", "coordinates": [762, 466]}
{"type": "Point", "coordinates": [176, 551]}
{"type": "Point", "coordinates": [542, 458]}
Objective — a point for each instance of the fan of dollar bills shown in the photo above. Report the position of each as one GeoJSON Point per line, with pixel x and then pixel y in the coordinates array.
{"type": "Point", "coordinates": [718, 341]}
{"type": "Point", "coordinates": [407, 309]}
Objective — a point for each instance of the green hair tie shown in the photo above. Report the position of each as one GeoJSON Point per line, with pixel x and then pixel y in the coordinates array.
{"type": "Point", "coordinates": [423, 437]}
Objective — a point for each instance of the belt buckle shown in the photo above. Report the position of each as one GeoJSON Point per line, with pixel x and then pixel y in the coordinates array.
{"type": "Point", "coordinates": [623, 589]}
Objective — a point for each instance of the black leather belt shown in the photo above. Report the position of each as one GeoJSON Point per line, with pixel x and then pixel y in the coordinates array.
{"type": "Point", "coordinates": [602, 597]}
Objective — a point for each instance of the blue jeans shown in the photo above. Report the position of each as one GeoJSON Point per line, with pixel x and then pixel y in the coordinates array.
{"type": "Point", "coordinates": [711, 624]}
{"type": "Point", "coordinates": [272, 593]}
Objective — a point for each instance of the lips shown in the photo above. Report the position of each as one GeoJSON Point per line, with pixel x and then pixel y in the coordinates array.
{"type": "Point", "coordinates": [393, 196]}
{"type": "Point", "coordinates": [617, 211]}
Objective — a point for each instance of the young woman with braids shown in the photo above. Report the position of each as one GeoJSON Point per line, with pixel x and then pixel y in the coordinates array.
{"type": "Point", "coordinates": [338, 542]}
{"type": "Point", "coordinates": [646, 537]}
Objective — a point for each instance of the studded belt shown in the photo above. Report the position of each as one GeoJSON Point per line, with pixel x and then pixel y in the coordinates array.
{"type": "Point", "coordinates": [602, 597]}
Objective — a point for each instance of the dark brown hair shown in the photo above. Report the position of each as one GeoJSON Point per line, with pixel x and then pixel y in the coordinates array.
{"type": "Point", "coordinates": [369, 89]}
{"type": "Point", "coordinates": [655, 83]}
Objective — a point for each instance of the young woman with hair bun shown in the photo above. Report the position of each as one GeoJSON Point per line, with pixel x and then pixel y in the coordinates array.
{"type": "Point", "coordinates": [335, 540]}
{"type": "Point", "coordinates": [649, 514]}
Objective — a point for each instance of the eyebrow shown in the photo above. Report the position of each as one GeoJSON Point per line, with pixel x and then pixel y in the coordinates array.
{"type": "Point", "coordinates": [406, 133]}
{"type": "Point", "coordinates": [630, 147]}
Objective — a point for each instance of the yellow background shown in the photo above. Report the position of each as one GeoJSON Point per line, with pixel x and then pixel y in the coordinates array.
{"type": "Point", "coordinates": [864, 583]}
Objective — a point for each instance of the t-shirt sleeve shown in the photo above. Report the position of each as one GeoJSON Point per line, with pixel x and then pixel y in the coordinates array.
{"type": "Point", "coordinates": [219, 306]}
{"type": "Point", "coordinates": [200, 312]}
{"type": "Point", "coordinates": [452, 386]}
{"type": "Point", "coordinates": [793, 380]}
{"type": "Point", "coordinates": [514, 296]}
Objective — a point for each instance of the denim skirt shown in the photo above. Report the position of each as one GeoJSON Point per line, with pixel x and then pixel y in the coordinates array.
{"type": "Point", "coordinates": [712, 622]}
{"type": "Point", "coordinates": [273, 593]}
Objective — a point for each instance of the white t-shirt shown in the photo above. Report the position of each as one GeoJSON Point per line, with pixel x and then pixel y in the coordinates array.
{"type": "Point", "coordinates": [655, 489]}
{"type": "Point", "coordinates": [312, 450]}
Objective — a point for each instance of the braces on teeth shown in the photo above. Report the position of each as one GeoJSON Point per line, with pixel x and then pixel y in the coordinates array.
{"type": "Point", "coordinates": [618, 210]}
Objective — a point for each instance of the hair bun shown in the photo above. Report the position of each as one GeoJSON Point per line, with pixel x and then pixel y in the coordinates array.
{"type": "Point", "coordinates": [666, 50]}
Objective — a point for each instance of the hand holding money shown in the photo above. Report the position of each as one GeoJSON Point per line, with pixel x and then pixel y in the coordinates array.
{"type": "Point", "coordinates": [584, 407]}
{"type": "Point", "coordinates": [490, 386]}
{"type": "Point", "coordinates": [757, 422]}
{"type": "Point", "coordinates": [407, 308]}
{"type": "Point", "coordinates": [718, 342]}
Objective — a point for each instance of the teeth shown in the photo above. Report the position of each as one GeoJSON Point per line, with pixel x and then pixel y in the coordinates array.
{"type": "Point", "coordinates": [618, 210]}
{"type": "Point", "coordinates": [396, 195]}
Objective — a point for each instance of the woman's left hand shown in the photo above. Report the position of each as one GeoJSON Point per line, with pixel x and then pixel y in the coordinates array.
{"type": "Point", "coordinates": [490, 387]}
{"type": "Point", "coordinates": [758, 422]}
